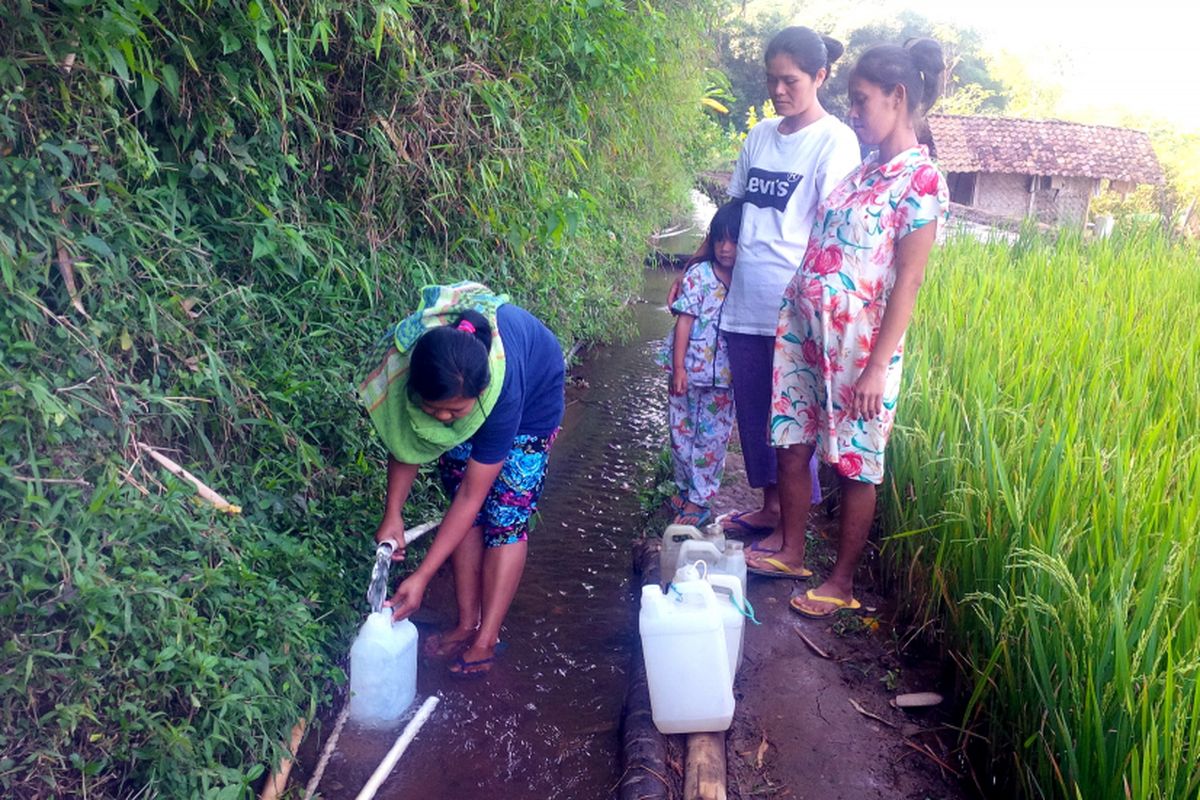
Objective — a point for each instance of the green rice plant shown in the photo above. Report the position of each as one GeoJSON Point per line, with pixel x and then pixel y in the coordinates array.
{"type": "Point", "coordinates": [1043, 503]}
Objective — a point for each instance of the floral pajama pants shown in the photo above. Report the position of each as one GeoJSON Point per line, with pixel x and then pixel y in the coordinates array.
{"type": "Point", "coordinates": [701, 422]}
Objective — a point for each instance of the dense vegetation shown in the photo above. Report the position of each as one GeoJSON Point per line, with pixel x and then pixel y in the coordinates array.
{"type": "Point", "coordinates": [1043, 497]}
{"type": "Point", "coordinates": [207, 211]}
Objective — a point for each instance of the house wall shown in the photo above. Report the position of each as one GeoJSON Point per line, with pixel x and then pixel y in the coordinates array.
{"type": "Point", "coordinates": [1066, 205]}
{"type": "Point", "coordinates": [1007, 194]}
{"type": "Point", "coordinates": [1003, 194]}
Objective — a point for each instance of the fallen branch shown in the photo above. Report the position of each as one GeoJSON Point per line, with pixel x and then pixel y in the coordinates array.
{"type": "Point", "coordinates": [925, 751]}
{"type": "Point", "coordinates": [277, 782]}
{"type": "Point", "coordinates": [201, 489]}
{"type": "Point", "coordinates": [31, 479]}
{"type": "Point", "coordinates": [866, 713]}
{"type": "Point", "coordinates": [811, 644]}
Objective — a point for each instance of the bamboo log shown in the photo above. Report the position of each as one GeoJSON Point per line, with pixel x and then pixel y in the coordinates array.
{"type": "Point", "coordinates": [201, 489]}
{"type": "Point", "coordinates": [704, 769]}
{"type": "Point", "coordinates": [277, 782]}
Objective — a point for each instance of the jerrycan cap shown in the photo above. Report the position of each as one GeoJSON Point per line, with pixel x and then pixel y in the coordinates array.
{"type": "Point", "coordinates": [690, 572]}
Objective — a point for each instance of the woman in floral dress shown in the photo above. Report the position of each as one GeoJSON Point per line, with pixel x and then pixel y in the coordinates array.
{"type": "Point", "coordinates": [840, 341]}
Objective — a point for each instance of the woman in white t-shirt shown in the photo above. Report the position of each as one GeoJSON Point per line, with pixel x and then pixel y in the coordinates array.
{"type": "Point", "coordinates": [787, 165]}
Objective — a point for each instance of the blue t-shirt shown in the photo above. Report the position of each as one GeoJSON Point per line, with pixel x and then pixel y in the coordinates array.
{"type": "Point", "coordinates": [531, 398]}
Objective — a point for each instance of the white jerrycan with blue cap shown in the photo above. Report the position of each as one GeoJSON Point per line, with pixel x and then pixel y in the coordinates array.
{"type": "Point", "coordinates": [686, 657]}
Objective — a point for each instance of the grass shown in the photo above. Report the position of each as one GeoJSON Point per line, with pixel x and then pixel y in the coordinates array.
{"type": "Point", "coordinates": [1043, 494]}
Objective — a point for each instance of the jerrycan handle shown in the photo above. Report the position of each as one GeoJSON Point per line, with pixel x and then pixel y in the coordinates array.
{"type": "Point", "coordinates": [681, 533]}
{"type": "Point", "coordinates": [731, 584]}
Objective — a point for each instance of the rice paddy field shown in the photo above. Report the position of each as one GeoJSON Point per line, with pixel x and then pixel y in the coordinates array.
{"type": "Point", "coordinates": [1044, 506]}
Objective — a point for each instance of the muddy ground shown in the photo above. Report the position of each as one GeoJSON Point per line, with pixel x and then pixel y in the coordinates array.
{"type": "Point", "coordinates": [815, 724]}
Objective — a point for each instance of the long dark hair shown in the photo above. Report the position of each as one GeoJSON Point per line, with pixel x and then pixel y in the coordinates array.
{"type": "Point", "coordinates": [452, 360]}
{"type": "Point", "coordinates": [811, 51]}
{"type": "Point", "coordinates": [725, 224]}
{"type": "Point", "coordinates": [918, 66]}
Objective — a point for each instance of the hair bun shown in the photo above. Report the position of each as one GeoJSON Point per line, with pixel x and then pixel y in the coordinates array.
{"type": "Point", "coordinates": [833, 48]}
{"type": "Point", "coordinates": [927, 55]}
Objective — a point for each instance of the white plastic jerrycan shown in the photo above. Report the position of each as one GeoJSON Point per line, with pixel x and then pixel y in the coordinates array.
{"type": "Point", "coordinates": [383, 670]}
{"type": "Point", "coordinates": [731, 600]}
{"type": "Point", "coordinates": [726, 559]}
{"type": "Point", "coordinates": [674, 537]}
{"type": "Point", "coordinates": [687, 662]}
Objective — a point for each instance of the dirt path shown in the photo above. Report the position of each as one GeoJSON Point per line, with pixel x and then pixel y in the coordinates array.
{"type": "Point", "coordinates": [797, 732]}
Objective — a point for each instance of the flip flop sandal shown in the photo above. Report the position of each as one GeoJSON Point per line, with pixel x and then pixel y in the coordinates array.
{"type": "Point", "coordinates": [754, 548]}
{"type": "Point", "coordinates": [838, 605]}
{"type": "Point", "coordinates": [779, 570]}
{"type": "Point", "coordinates": [464, 669]}
{"type": "Point", "coordinates": [736, 525]}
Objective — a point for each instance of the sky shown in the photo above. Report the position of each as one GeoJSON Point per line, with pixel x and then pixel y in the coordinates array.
{"type": "Point", "coordinates": [1138, 56]}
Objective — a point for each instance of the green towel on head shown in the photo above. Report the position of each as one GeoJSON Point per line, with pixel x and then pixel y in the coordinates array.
{"type": "Point", "coordinates": [412, 436]}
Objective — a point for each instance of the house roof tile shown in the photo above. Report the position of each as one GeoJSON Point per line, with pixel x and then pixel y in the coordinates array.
{"type": "Point", "coordinates": [1043, 147]}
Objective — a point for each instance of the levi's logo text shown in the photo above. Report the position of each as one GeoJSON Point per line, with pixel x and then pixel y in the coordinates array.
{"type": "Point", "coordinates": [767, 189]}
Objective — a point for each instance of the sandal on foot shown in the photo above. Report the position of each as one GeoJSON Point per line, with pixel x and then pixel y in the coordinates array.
{"type": "Point", "coordinates": [778, 569]}
{"type": "Point", "coordinates": [838, 605]}
{"type": "Point", "coordinates": [764, 551]}
{"type": "Point", "coordinates": [462, 668]}
{"type": "Point", "coordinates": [736, 525]}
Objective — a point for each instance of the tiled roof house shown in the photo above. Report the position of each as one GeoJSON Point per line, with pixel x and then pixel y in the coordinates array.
{"type": "Point", "coordinates": [1047, 169]}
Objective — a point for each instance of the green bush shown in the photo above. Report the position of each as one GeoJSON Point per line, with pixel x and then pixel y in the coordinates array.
{"type": "Point", "coordinates": [206, 214]}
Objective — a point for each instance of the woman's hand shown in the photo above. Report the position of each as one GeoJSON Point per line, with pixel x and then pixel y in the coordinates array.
{"type": "Point", "coordinates": [391, 528]}
{"type": "Point", "coordinates": [867, 402]}
{"type": "Point", "coordinates": [679, 382]}
{"type": "Point", "coordinates": [408, 596]}
{"type": "Point", "coordinates": [673, 292]}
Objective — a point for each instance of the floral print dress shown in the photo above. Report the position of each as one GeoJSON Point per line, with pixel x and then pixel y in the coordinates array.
{"type": "Point", "coordinates": [833, 308]}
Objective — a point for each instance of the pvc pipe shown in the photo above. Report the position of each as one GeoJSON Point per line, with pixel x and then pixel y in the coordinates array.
{"type": "Point", "coordinates": [412, 534]}
{"type": "Point", "coordinates": [389, 761]}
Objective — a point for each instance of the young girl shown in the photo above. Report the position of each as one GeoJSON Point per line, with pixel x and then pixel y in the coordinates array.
{"type": "Point", "coordinates": [475, 383]}
{"type": "Point", "coordinates": [840, 341]}
{"type": "Point", "coordinates": [700, 403]}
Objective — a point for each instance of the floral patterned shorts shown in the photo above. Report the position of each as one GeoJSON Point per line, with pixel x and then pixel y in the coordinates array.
{"type": "Point", "coordinates": [514, 496]}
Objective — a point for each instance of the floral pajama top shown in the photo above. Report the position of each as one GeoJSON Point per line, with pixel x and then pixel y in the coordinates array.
{"type": "Point", "coordinates": [834, 306]}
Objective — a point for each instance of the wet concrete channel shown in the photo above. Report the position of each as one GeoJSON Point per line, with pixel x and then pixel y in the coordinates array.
{"type": "Point", "coordinates": [545, 722]}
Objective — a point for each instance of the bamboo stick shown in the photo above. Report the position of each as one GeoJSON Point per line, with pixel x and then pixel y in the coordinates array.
{"type": "Point", "coordinates": [201, 489]}
{"type": "Point", "coordinates": [277, 782]}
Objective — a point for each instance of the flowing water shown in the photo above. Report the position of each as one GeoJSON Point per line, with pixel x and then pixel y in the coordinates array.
{"type": "Point", "coordinates": [545, 722]}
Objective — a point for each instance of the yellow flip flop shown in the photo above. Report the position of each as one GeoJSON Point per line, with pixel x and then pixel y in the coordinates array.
{"type": "Point", "coordinates": [838, 605]}
{"type": "Point", "coordinates": [779, 570]}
